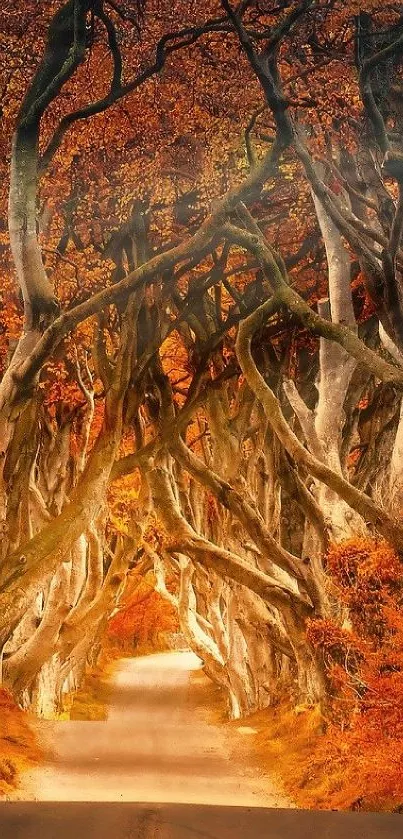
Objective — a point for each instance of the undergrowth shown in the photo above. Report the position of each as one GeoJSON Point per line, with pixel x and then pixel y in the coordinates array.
{"type": "Point", "coordinates": [19, 748]}
{"type": "Point", "coordinates": [351, 756]}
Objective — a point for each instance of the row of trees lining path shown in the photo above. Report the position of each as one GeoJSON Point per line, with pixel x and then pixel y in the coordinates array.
{"type": "Point", "coordinates": [201, 333]}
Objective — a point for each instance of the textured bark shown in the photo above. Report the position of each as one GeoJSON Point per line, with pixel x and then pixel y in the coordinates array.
{"type": "Point", "coordinates": [239, 498]}
{"type": "Point", "coordinates": [36, 289]}
{"type": "Point", "coordinates": [358, 501]}
{"type": "Point", "coordinates": [243, 509]}
{"type": "Point", "coordinates": [42, 555]}
{"type": "Point", "coordinates": [336, 369]}
{"type": "Point", "coordinates": [22, 667]}
{"type": "Point", "coordinates": [184, 539]}
{"type": "Point", "coordinates": [201, 643]}
{"type": "Point", "coordinates": [84, 625]}
{"type": "Point", "coordinates": [396, 469]}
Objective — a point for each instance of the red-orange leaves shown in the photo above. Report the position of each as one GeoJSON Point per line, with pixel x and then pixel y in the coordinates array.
{"type": "Point", "coordinates": [363, 744]}
{"type": "Point", "coordinates": [144, 617]}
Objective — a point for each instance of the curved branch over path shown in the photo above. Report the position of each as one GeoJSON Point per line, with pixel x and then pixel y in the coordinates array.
{"type": "Point", "coordinates": [359, 501]}
{"type": "Point", "coordinates": [184, 539]}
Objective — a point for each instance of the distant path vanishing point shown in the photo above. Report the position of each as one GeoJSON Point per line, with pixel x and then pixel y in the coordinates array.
{"type": "Point", "coordinates": [157, 745]}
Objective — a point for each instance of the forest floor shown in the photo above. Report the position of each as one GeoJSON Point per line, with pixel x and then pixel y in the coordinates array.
{"type": "Point", "coordinates": [165, 740]}
{"type": "Point", "coordinates": [19, 745]}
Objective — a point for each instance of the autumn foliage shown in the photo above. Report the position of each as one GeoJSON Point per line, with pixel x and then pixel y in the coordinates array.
{"type": "Point", "coordinates": [144, 619]}
{"type": "Point", "coordinates": [19, 748]}
{"type": "Point", "coordinates": [201, 358]}
{"type": "Point", "coordinates": [357, 761]}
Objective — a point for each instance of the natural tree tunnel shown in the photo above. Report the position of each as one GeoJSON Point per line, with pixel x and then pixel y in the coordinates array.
{"type": "Point", "coordinates": [201, 346]}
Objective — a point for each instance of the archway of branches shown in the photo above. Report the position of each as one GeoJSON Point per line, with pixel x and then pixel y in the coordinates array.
{"type": "Point", "coordinates": [202, 368]}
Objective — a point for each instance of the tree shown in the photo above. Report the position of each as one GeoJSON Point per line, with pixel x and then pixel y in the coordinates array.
{"type": "Point", "coordinates": [205, 353]}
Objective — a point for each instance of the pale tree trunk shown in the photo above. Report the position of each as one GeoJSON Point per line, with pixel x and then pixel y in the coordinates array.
{"type": "Point", "coordinates": [361, 503]}
{"type": "Point", "coordinates": [10, 413]}
{"type": "Point", "coordinates": [22, 667]}
{"type": "Point", "coordinates": [93, 578]}
{"type": "Point", "coordinates": [225, 444]}
{"type": "Point", "coordinates": [184, 539]}
{"type": "Point", "coordinates": [36, 289]}
{"type": "Point", "coordinates": [249, 661]}
{"type": "Point", "coordinates": [80, 629]}
{"type": "Point", "coordinates": [394, 490]}
{"type": "Point", "coordinates": [211, 653]}
{"type": "Point", "coordinates": [395, 495]}
{"type": "Point", "coordinates": [336, 368]}
{"type": "Point", "coordinates": [44, 553]}
{"type": "Point", "coordinates": [78, 569]}
{"type": "Point", "coordinates": [198, 639]}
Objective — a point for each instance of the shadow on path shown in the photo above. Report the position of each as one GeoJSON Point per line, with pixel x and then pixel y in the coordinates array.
{"type": "Point", "coordinates": [136, 821]}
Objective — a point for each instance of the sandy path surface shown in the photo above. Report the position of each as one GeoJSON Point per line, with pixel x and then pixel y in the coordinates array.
{"type": "Point", "coordinates": [159, 744]}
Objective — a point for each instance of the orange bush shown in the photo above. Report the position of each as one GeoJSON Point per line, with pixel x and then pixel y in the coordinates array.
{"type": "Point", "coordinates": [144, 616]}
{"type": "Point", "coordinates": [362, 748]}
{"type": "Point", "coordinates": [19, 748]}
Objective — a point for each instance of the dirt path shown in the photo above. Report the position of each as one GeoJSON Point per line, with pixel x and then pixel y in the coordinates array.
{"type": "Point", "coordinates": [159, 744]}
